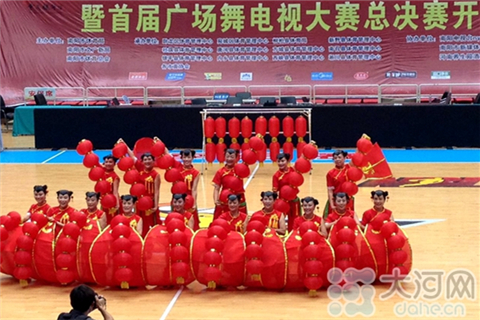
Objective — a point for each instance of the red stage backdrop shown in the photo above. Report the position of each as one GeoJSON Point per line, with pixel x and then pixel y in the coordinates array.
{"type": "Point", "coordinates": [160, 43]}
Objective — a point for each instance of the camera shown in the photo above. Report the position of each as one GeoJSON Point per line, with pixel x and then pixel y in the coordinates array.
{"type": "Point", "coordinates": [101, 301]}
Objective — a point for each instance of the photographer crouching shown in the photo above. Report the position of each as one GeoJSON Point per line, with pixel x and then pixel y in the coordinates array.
{"type": "Point", "coordinates": [84, 300]}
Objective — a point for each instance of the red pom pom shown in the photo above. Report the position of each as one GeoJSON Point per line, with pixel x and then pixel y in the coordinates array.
{"type": "Point", "coordinates": [144, 203]}
{"type": "Point", "coordinates": [84, 147]}
{"type": "Point", "coordinates": [91, 160]}
{"type": "Point", "coordinates": [125, 163]}
{"type": "Point", "coordinates": [119, 150]}
{"type": "Point", "coordinates": [173, 175]}
{"type": "Point", "coordinates": [103, 187]}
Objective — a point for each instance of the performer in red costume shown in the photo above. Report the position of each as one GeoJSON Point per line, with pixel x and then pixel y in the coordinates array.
{"type": "Point", "coordinates": [378, 197]}
{"type": "Point", "coordinates": [42, 207]}
{"type": "Point", "coordinates": [178, 205]}
{"type": "Point", "coordinates": [335, 178]}
{"type": "Point", "coordinates": [308, 206]}
{"type": "Point", "coordinates": [270, 217]}
{"type": "Point", "coordinates": [233, 216]}
{"type": "Point", "coordinates": [219, 184]}
{"type": "Point", "coordinates": [128, 205]}
{"type": "Point", "coordinates": [96, 218]}
{"type": "Point", "coordinates": [111, 177]}
{"type": "Point", "coordinates": [341, 210]}
{"type": "Point", "coordinates": [60, 215]}
{"type": "Point", "coordinates": [280, 179]}
{"type": "Point", "coordinates": [190, 177]}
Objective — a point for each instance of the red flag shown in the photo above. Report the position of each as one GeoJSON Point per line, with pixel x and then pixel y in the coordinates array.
{"type": "Point", "coordinates": [377, 166]}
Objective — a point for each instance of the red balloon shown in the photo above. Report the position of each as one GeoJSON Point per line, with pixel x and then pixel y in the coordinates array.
{"type": "Point", "coordinates": [354, 174]}
{"type": "Point", "coordinates": [274, 126]}
{"type": "Point", "coordinates": [179, 187]}
{"type": "Point", "coordinates": [217, 231]}
{"type": "Point", "coordinates": [310, 151]}
{"type": "Point", "coordinates": [261, 126]}
{"type": "Point", "coordinates": [312, 251]}
{"type": "Point", "coordinates": [220, 126]}
{"type": "Point", "coordinates": [158, 149]}
{"type": "Point", "coordinates": [72, 230]}
{"type": "Point", "coordinates": [233, 183]}
{"type": "Point", "coordinates": [313, 283]}
{"type": "Point", "coordinates": [30, 228]}
{"type": "Point", "coordinates": [121, 230]}
{"type": "Point", "coordinates": [15, 217]}
{"type": "Point", "coordinates": [144, 203]}
{"type": "Point", "coordinates": [175, 224]}
{"type": "Point", "coordinates": [123, 275]}
{"type": "Point", "coordinates": [255, 225]}
{"type": "Point", "coordinates": [364, 145]}
{"type": "Point", "coordinates": [288, 193]}
{"type": "Point", "coordinates": [346, 235]}
{"type": "Point", "coordinates": [311, 237]}
{"type": "Point", "coordinates": [22, 258]}
{"type": "Point", "coordinates": [389, 229]}
{"type": "Point", "coordinates": [253, 237]}
{"type": "Point", "coordinates": [249, 157]}
{"type": "Point", "coordinates": [121, 244]}
{"type": "Point", "coordinates": [84, 147]}
{"type": "Point", "coordinates": [254, 251]}
{"type": "Point", "coordinates": [119, 150]}
{"type": "Point", "coordinates": [209, 127]}
{"type": "Point", "coordinates": [274, 150]}
{"type": "Point", "coordinates": [234, 127]}
{"type": "Point", "coordinates": [350, 188]}
{"type": "Point", "coordinates": [359, 160]}
{"type": "Point", "coordinates": [313, 266]}
{"type": "Point", "coordinates": [189, 202]}
{"type": "Point", "coordinates": [212, 274]}
{"type": "Point", "coordinates": [397, 257]}
{"type": "Point", "coordinates": [281, 205]}
{"type": "Point", "coordinates": [222, 223]}
{"type": "Point", "coordinates": [214, 243]}
{"type": "Point", "coordinates": [247, 127]}
{"type": "Point", "coordinates": [177, 238]}
{"type": "Point", "coordinates": [23, 273]}
{"type": "Point", "coordinates": [303, 165]}
{"type": "Point", "coordinates": [395, 242]}
{"type": "Point", "coordinates": [131, 176]}
{"type": "Point", "coordinates": [65, 261]}
{"type": "Point", "coordinates": [103, 186]}
{"type": "Point", "coordinates": [179, 253]}
{"type": "Point", "coordinates": [242, 170]}
{"type": "Point", "coordinates": [210, 152]}
{"type": "Point", "coordinates": [122, 259]}
{"type": "Point", "coordinates": [307, 226]}
{"type": "Point", "coordinates": [125, 163]}
{"type": "Point", "coordinates": [91, 160]}
{"type": "Point", "coordinates": [212, 258]}
{"type": "Point", "coordinates": [220, 151]}
{"type": "Point", "coordinates": [166, 161]}
{"type": "Point", "coordinates": [256, 143]}
{"type": "Point", "coordinates": [66, 245]}
{"type": "Point", "coordinates": [96, 173]}
{"type": "Point", "coordinates": [345, 251]}
{"type": "Point", "coordinates": [172, 175]}
{"type": "Point", "coordinates": [25, 243]}
{"type": "Point", "coordinates": [287, 124]}
{"type": "Point", "coordinates": [254, 266]}
{"type": "Point", "coordinates": [108, 201]}
{"type": "Point", "coordinates": [137, 189]}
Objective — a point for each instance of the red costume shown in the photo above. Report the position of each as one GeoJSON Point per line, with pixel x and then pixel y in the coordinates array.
{"type": "Point", "coordinates": [371, 214]}
{"type": "Point", "coordinates": [148, 216]}
{"type": "Point", "coordinates": [133, 221]}
{"type": "Point", "coordinates": [189, 175]}
{"type": "Point", "coordinates": [335, 179]}
{"type": "Point", "coordinates": [270, 220]}
{"type": "Point", "coordinates": [335, 215]}
{"type": "Point", "coordinates": [236, 223]}
{"type": "Point", "coordinates": [89, 232]}
{"type": "Point", "coordinates": [218, 180]}
{"type": "Point", "coordinates": [62, 216]}
{"type": "Point", "coordinates": [280, 179]}
{"type": "Point", "coordinates": [110, 177]}
{"type": "Point", "coordinates": [299, 220]}
{"type": "Point", "coordinates": [43, 209]}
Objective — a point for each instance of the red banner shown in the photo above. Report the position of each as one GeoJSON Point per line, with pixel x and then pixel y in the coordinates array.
{"type": "Point", "coordinates": [185, 43]}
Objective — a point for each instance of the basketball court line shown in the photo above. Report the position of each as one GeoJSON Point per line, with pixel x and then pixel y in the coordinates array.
{"type": "Point", "coordinates": [54, 156]}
